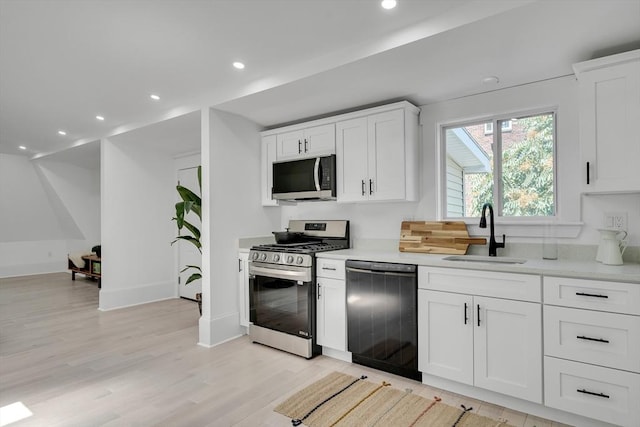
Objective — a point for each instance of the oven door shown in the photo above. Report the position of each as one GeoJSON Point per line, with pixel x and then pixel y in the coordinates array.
{"type": "Point", "coordinates": [282, 299]}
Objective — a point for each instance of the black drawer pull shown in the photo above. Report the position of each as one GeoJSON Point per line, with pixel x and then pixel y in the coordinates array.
{"type": "Point", "coordinates": [582, 294]}
{"type": "Point", "coordinates": [592, 339]}
{"type": "Point", "coordinates": [478, 314]}
{"type": "Point", "coordinates": [592, 393]}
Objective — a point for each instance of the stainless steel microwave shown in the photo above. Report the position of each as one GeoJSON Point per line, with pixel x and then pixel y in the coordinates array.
{"type": "Point", "coordinates": [306, 179]}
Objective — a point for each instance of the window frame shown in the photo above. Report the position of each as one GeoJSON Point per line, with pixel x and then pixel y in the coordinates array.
{"type": "Point", "coordinates": [497, 202]}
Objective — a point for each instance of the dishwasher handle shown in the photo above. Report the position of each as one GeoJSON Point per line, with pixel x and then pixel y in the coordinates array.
{"type": "Point", "coordinates": [380, 267]}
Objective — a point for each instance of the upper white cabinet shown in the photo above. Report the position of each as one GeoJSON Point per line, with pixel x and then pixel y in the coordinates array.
{"type": "Point", "coordinates": [376, 152]}
{"type": "Point", "coordinates": [376, 156]}
{"type": "Point", "coordinates": [312, 141]}
{"type": "Point", "coordinates": [609, 115]}
{"type": "Point", "coordinates": [266, 165]}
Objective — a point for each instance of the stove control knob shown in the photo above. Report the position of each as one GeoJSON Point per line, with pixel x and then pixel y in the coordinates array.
{"type": "Point", "coordinates": [276, 258]}
{"type": "Point", "coordinates": [263, 257]}
{"type": "Point", "coordinates": [299, 260]}
{"type": "Point", "coordinates": [290, 259]}
{"type": "Point", "coordinates": [255, 256]}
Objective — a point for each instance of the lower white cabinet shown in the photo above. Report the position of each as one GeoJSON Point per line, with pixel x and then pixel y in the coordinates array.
{"type": "Point", "coordinates": [485, 341]}
{"type": "Point", "coordinates": [490, 343]}
{"type": "Point", "coordinates": [331, 315]}
{"type": "Point", "coordinates": [243, 288]}
{"type": "Point", "coordinates": [596, 392]}
{"type": "Point", "coordinates": [592, 348]}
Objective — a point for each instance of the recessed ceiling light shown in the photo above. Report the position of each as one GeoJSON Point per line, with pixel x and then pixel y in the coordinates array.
{"type": "Point", "coordinates": [154, 97]}
{"type": "Point", "coordinates": [100, 118]}
{"type": "Point", "coordinates": [388, 4]}
{"type": "Point", "coordinates": [61, 132]}
{"type": "Point", "coordinates": [238, 65]}
{"type": "Point", "coordinates": [22, 147]}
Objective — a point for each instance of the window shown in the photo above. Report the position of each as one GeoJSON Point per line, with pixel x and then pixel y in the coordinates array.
{"type": "Point", "coordinates": [513, 169]}
{"type": "Point", "coordinates": [506, 127]}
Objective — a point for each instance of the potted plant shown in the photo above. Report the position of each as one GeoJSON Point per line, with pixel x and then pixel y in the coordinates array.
{"type": "Point", "coordinates": [191, 202]}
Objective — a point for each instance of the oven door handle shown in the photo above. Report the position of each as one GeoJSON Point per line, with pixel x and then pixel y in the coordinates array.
{"type": "Point", "coordinates": [300, 276]}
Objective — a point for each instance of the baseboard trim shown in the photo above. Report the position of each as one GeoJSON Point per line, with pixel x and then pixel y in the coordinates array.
{"type": "Point", "coordinates": [112, 299]}
{"type": "Point", "coordinates": [511, 402]}
{"type": "Point", "coordinates": [219, 330]}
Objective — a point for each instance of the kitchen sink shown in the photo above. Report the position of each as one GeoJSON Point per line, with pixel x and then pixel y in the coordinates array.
{"type": "Point", "coordinates": [486, 259]}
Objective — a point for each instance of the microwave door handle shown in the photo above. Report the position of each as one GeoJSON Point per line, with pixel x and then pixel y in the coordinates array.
{"type": "Point", "coordinates": [316, 174]}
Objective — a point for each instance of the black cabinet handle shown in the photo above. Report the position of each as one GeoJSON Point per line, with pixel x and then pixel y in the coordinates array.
{"type": "Point", "coordinates": [370, 186]}
{"type": "Point", "coordinates": [363, 187]}
{"type": "Point", "coordinates": [465, 313]}
{"type": "Point", "coordinates": [239, 265]}
{"type": "Point", "coordinates": [478, 314]}
{"type": "Point", "coordinates": [582, 294]}
{"type": "Point", "coordinates": [305, 145]}
{"type": "Point", "coordinates": [587, 173]}
{"type": "Point", "coordinates": [319, 288]}
{"type": "Point", "coordinates": [299, 147]}
{"type": "Point", "coordinates": [582, 337]}
{"type": "Point", "coordinates": [592, 393]}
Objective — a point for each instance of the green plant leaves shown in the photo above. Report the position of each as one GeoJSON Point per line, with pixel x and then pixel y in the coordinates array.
{"type": "Point", "coordinates": [191, 202]}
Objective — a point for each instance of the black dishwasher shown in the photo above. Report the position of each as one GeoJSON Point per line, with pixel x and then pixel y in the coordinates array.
{"type": "Point", "coordinates": [382, 316]}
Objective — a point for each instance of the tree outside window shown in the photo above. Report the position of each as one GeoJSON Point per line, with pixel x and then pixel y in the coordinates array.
{"type": "Point", "coordinates": [513, 170]}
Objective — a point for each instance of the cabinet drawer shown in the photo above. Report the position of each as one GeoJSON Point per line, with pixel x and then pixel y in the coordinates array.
{"type": "Point", "coordinates": [524, 287]}
{"type": "Point", "coordinates": [617, 297]}
{"type": "Point", "coordinates": [606, 339]}
{"type": "Point", "coordinates": [592, 391]}
{"type": "Point", "coordinates": [331, 268]}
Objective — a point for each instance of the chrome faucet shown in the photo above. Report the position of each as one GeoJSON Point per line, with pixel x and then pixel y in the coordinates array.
{"type": "Point", "coordinates": [493, 245]}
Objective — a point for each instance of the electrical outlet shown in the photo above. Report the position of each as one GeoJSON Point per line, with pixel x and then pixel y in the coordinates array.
{"type": "Point", "coordinates": [615, 220]}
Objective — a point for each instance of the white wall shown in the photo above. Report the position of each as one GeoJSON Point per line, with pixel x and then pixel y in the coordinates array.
{"type": "Point", "coordinates": [382, 221]}
{"type": "Point", "coordinates": [231, 209]}
{"type": "Point", "coordinates": [42, 217]}
{"type": "Point", "coordinates": [137, 198]}
{"type": "Point", "coordinates": [77, 189]}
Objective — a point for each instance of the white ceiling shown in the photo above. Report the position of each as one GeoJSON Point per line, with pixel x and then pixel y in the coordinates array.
{"type": "Point", "coordinates": [62, 62]}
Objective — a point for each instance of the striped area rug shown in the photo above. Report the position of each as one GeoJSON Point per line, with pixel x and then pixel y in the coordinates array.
{"type": "Point", "coordinates": [343, 400]}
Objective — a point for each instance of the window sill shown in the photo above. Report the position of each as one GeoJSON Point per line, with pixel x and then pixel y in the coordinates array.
{"type": "Point", "coordinates": [533, 228]}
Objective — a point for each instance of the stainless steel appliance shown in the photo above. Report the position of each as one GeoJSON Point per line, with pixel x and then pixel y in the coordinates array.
{"type": "Point", "coordinates": [306, 179]}
{"type": "Point", "coordinates": [282, 291]}
{"type": "Point", "coordinates": [382, 316]}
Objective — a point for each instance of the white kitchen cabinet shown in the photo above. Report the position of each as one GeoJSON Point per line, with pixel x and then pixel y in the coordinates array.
{"type": "Point", "coordinates": [243, 288]}
{"type": "Point", "coordinates": [331, 315]}
{"type": "Point", "coordinates": [592, 348]}
{"type": "Point", "coordinates": [266, 163]}
{"type": "Point", "coordinates": [375, 157]}
{"type": "Point", "coordinates": [609, 113]}
{"type": "Point", "coordinates": [301, 143]}
{"type": "Point", "coordinates": [476, 338]}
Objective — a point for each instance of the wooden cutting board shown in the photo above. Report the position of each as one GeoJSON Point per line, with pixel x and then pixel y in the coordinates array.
{"type": "Point", "coordinates": [436, 237]}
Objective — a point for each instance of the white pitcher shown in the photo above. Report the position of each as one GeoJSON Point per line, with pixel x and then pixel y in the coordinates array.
{"type": "Point", "coordinates": [612, 245]}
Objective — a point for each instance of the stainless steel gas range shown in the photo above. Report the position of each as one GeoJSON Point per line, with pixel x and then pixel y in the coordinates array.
{"type": "Point", "coordinates": [282, 285]}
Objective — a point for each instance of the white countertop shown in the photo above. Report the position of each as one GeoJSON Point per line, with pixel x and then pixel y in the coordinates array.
{"type": "Point", "coordinates": [564, 268]}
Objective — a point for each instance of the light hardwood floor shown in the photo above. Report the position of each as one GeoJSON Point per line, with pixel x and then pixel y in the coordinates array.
{"type": "Point", "coordinates": [73, 365]}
